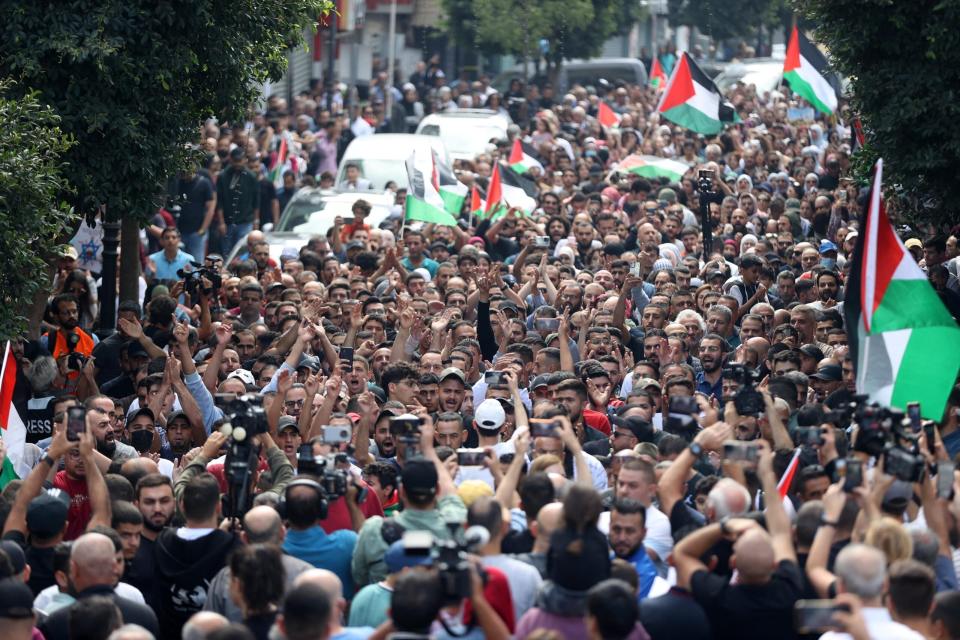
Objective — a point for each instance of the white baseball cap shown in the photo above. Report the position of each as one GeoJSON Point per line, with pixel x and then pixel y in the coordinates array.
{"type": "Point", "coordinates": [489, 416]}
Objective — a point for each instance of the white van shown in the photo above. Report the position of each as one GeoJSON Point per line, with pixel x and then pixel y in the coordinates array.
{"type": "Point", "coordinates": [382, 157]}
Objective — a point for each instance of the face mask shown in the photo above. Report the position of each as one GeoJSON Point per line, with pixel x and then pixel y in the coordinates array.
{"type": "Point", "coordinates": [141, 440]}
{"type": "Point", "coordinates": [828, 263]}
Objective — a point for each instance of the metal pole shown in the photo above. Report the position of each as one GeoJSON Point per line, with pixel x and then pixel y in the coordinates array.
{"type": "Point", "coordinates": [108, 292]}
{"type": "Point", "coordinates": [391, 61]}
{"type": "Point", "coordinates": [706, 224]}
{"type": "Point", "coordinates": [332, 53]}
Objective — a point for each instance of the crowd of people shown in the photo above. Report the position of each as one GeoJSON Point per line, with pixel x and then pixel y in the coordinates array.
{"type": "Point", "coordinates": [570, 422]}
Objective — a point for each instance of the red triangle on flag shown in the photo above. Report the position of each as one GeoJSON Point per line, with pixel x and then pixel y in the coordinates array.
{"type": "Point", "coordinates": [886, 254]}
{"type": "Point", "coordinates": [658, 78]}
{"type": "Point", "coordinates": [792, 61]}
{"type": "Point", "coordinates": [475, 200]}
{"type": "Point", "coordinates": [516, 153]}
{"type": "Point", "coordinates": [494, 192]}
{"type": "Point", "coordinates": [606, 115]}
{"type": "Point", "coordinates": [680, 88]}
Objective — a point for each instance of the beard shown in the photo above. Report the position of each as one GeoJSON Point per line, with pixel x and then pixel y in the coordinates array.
{"type": "Point", "coordinates": [107, 448]}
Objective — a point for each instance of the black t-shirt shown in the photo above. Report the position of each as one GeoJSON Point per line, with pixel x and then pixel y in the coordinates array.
{"type": "Point", "coordinates": [107, 354]}
{"type": "Point", "coordinates": [268, 193]}
{"type": "Point", "coordinates": [674, 615]}
{"type": "Point", "coordinates": [742, 612]}
{"type": "Point", "coordinates": [40, 561]}
{"type": "Point", "coordinates": [193, 196]}
{"type": "Point", "coordinates": [119, 387]}
{"type": "Point", "coordinates": [518, 542]}
{"type": "Point", "coordinates": [139, 572]}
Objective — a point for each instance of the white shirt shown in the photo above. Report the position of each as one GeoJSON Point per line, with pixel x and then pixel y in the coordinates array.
{"type": "Point", "coordinates": [659, 538]}
{"type": "Point", "coordinates": [880, 626]}
{"type": "Point", "coordinates": [47, 596]}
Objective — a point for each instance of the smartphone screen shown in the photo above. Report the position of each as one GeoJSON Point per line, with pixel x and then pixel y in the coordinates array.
{"type": "Point", "coordinates": [945, 480]}
{"type": "Point", "coordinates": [346, 354]}
{"type": "Point", "coordinates": [76, 423]}
{"type": "Point", "coordinates": [913, 412]}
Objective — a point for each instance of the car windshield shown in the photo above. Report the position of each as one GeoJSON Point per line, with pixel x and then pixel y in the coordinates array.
{"type": "Point", "coordinates": [299, 212]}
{"type": "Point", "coordinates": [379, 172]}
{"type": "Point", "coordinates": [463, 136]}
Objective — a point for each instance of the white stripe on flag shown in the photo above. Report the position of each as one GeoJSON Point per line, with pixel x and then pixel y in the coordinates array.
{"type": "Point", "coordinates": [818, 83]}
{"type": "Point", "coordinates": [705, 101]}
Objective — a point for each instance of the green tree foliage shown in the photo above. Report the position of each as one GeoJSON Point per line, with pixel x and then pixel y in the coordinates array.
{"type": "Point", "coordinates": [903, 61]}
{"type": "Point", "coordinates": [33, 214]}
{"type": "Point", "coordinates": [729, 19]}
{"type": "Point", "coordinates": [133, 79]}
{"type": "Point", "coordinates": [573, 28]}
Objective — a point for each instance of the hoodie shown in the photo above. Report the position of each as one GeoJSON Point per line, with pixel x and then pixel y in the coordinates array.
{"type": "Point", "coordinates": [184, 570]}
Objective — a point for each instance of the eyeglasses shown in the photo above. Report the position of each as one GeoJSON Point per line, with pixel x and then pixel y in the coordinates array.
{"type": "Point", "coordinates": [293, 404]}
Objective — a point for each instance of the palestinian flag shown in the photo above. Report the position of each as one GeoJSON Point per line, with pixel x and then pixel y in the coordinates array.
{"type": "Point", "coordinates": [903, 342]}
{"type": "Point", "coordinates": [494, 192]}
{"type": "Point", "coordinates": [658, 79]}
{"type": "Point", "coordinates": [607, 116]}
{"type": "Point", "coordinates": [509, 189]}
{"type": "Point", "coordinates": [805, 68]}
{"type": "Point", "coordinates": [524, 157]}
{"type": "Point", "coordinates": [653, 167]}
{"type": "Point", "coordinates": [857, 138]}
{"type": "Point", "coordinates": [282, 161]}
{"type": "Point", "coordinates": [693, 101]}
{"type": "Point", "coordinates": [452, 191]}
{"type": "Point", "coordinates": [12, 429]}
{"type": "Point", "coordinates": [424, 202]}
{"type": "Point", "coordinates": [477, 206]}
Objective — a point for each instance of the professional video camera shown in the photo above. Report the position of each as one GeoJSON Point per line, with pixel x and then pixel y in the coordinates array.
{"type": "Point", "coordinates": [244, 418]}
{"type": "Point", "coordinates": [75, 361]}
{"type": "Point", "coordinates": [449, 557]}
{"type": "Point", "coordinates": [406, 429]}
{"type": "Point", "coordinates": [887, 432]}
{"type": "Point", "coordinates": [193, 279]}
{"type": "Point", "coordinates": [747, 400]}
{"type": "Point", "coordinates": [324, 469]}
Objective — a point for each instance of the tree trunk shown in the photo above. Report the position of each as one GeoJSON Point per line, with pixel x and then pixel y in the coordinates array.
{"type": "Point", "coordinates": [129, 259]}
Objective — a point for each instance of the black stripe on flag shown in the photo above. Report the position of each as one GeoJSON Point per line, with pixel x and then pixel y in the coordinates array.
{"type": "Point", "coordinates": [514, 179]}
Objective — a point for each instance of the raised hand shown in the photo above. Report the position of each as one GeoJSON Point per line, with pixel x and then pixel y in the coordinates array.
{"type": "Point", "coordinates": [224, 333]}
{"type": "Point", "coordinates": [284, 382]}
{"type": "Point", "coordinates": [180, 332]}
{"type": "Point", "coordinates": [131, 328]}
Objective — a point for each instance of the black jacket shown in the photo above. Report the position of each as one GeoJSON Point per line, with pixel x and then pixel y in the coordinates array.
{"type": "Point", "coordinates": [183, 571]}
{"type": "Point", "coordinates": [57, 625]}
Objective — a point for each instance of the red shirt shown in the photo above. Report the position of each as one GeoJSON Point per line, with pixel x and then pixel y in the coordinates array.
{"type": "Point", "coordinates": [338, 516]}
{"type": "Point", "coordinates": [597, 420]}
{"type": "Point", "coordinates": [79, 513]}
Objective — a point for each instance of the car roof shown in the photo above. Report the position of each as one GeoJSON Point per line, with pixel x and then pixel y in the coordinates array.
{"type": "Point", "coordinates": [403, 143]}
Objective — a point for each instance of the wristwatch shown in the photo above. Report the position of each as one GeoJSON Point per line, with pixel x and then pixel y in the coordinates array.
{"type": "Point", "coordinates": [50, 461]}
{"type": "Point", "coordinates": [696, 449]}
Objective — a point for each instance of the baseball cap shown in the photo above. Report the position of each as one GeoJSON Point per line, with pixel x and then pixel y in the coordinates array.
{"type": "Point", "coordinates": [911, 243]}
{"type": "Point", "coordinates": [286, 422]}
{"type": "Point", "coordinates": [829, 373]}
{"type": "Point", "coordinates": [392, 409]}
{"type": "Point", "coordinates": [354, 244]}
{"type": "Point", "coordinates": [143, 411]}
{"type": "Point", "coordinates": [69, 251]}
{"type": "Point", "coordinates": [643, 383]}
{"type": "Point", "coordinates": [490, 415]}
{"type": "Point", "coordinates": [640, 428]}
{"type": "Point", "coordinates": [509, 306]}
{"type": "Point", "coordinates": [136, 350]}
{"type": "Point", "coordinates": [812, 351]}
{"type": "Point", "coordinates": [237, 153]}
{"type": "Point", "coordinates": [419, 477]}
{"type": "Point", "coordinates": [539, 381]}
{"type": "Point", "coordinates": [453, 372]}
{"type": "Point", "coordinates": [826, 247]}
{"type": "Point", "coordinates": [396, 558]}
{"type": "Point", "coordinates": [16, 599]}
{"type": "Point", "coordinates": [313, 362]}
{"type": "Point", "coordinates": [47, 513]}
{"type": "Point", "coordinates": [243, 376]}
{"type": "Point", "coordinates": [897, 496]}
{"type": "Point", "coordinates": [711, 275]}
{"type": "Point", "coordinates": [15, 553]}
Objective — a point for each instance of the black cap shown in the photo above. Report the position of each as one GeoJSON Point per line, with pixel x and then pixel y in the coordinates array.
{"type": "Point", "coordinates": [15, 553]}
{"type": "Point", "coordinates": [47, 513]}
{"type": "Point", "coordinates": [812, 351]}
{"type": "Point", "coordinates": [829, 373]}
{"type": "Point", "coordinates": [16, 599]}
{"type": "Point", "coordinates": [237, 153]}
{"type": "Point", "coordinates": [419, 477]}
{"type": "Point", "coordinates": [640, 428]}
